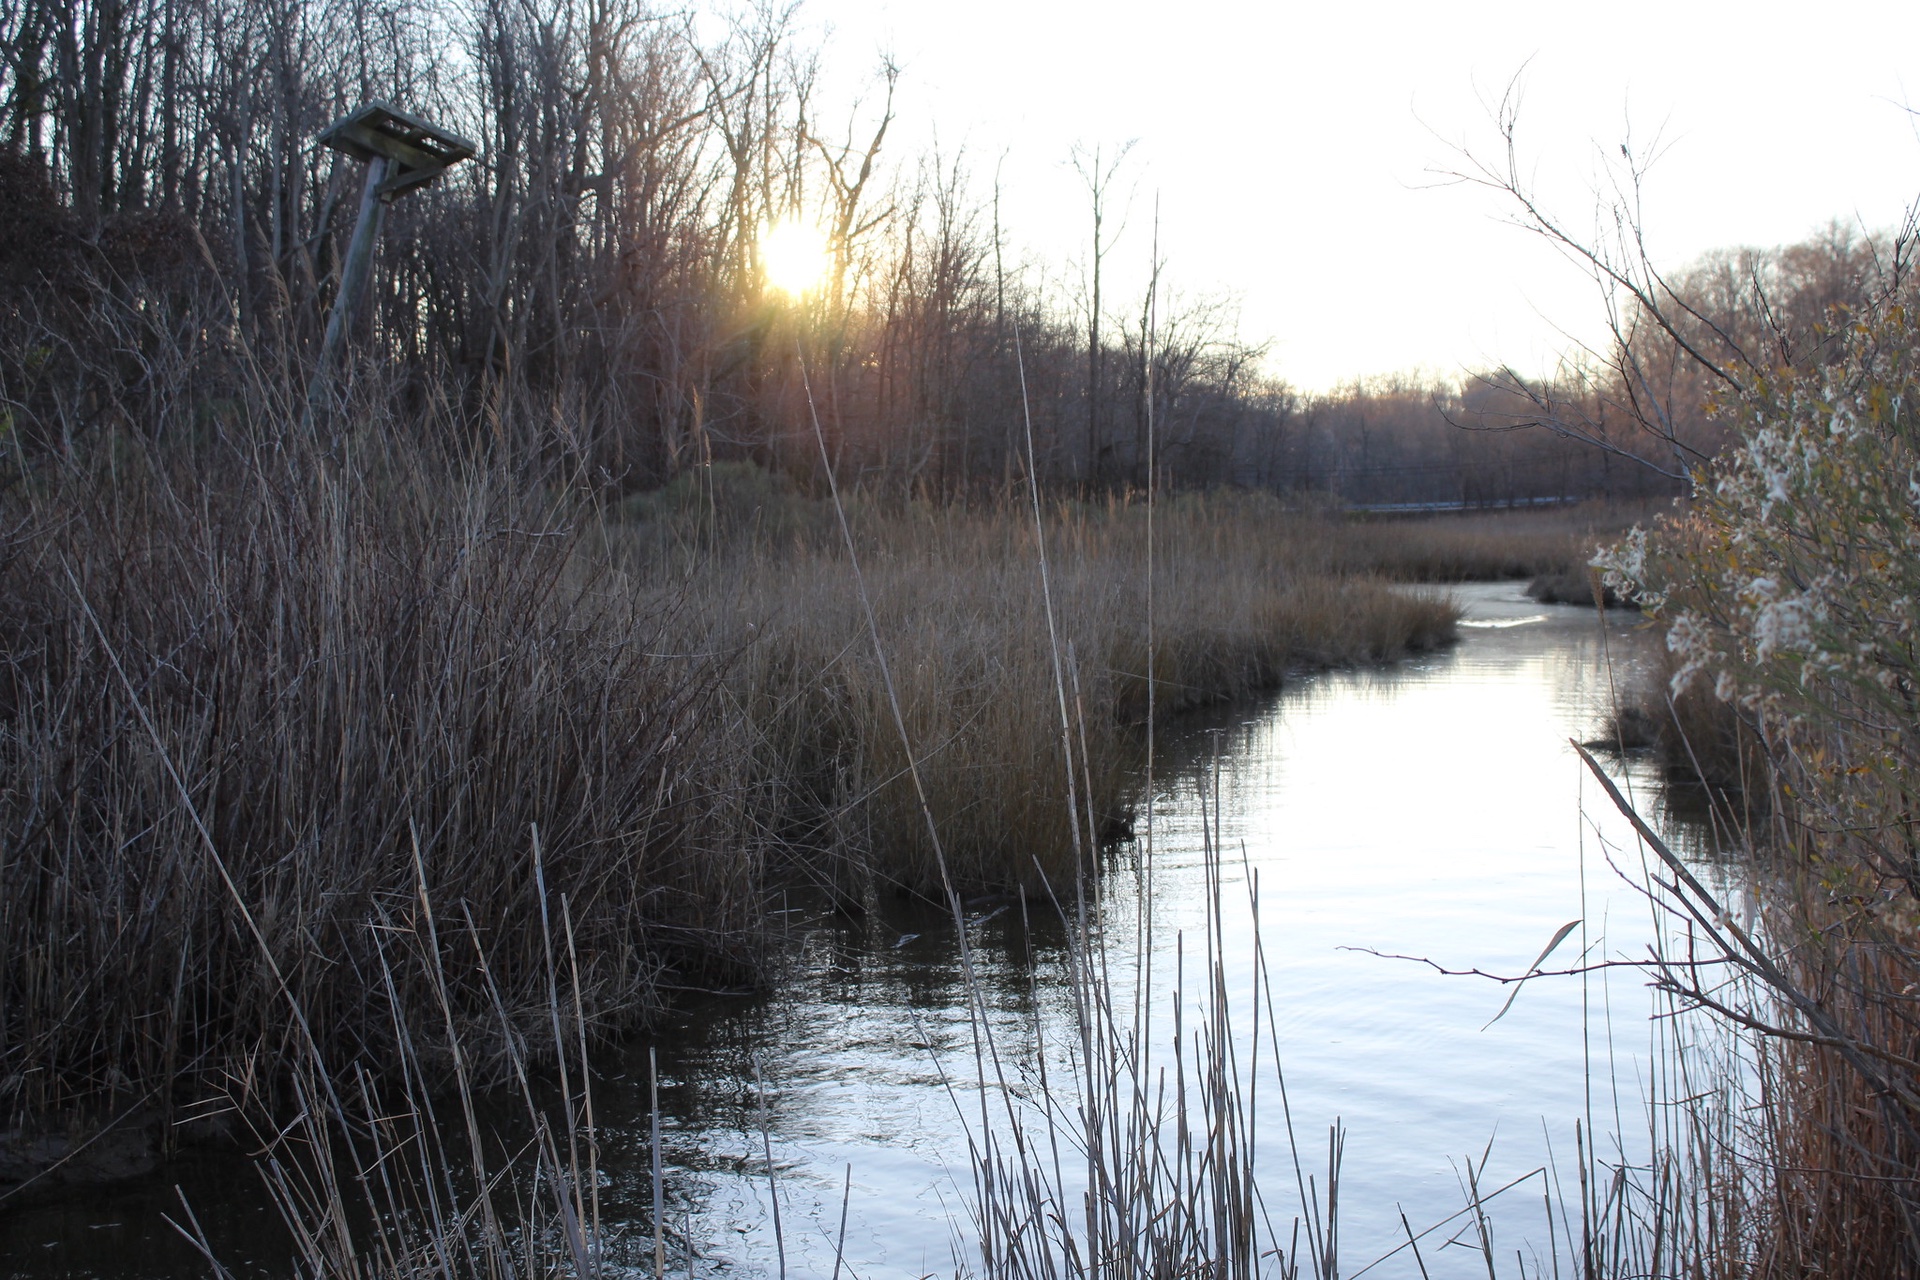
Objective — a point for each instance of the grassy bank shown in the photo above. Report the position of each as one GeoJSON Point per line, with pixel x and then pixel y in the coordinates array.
{"type": "Point", "coordinates": [1008, 713]}
{"type": "Point", "coordinates": [252, 700]}
{"type": "Point", "coordinates": [1551, 546]}
{"type": "Point", "coordinates": [258, 699]}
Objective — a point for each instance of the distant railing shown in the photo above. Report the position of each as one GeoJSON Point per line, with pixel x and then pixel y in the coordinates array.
{"type": "Point", "coordinates": [1486, 504]}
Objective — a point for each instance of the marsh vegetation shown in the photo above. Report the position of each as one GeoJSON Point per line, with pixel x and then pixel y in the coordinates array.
{"type": "Point", "coordinates": [374, 742]}
{"type": "Point", "coordinates": [252, 700]}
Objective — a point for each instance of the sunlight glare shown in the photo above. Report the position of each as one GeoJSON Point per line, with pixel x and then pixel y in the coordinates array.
{"type": "Point", "coordinates": [794, 256]}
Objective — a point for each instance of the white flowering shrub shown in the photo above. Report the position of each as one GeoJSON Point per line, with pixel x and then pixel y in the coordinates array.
{"type": "Point", "coordinates": [1792, 588]}
{"type": "Point", "coordinates": [1790, 591]}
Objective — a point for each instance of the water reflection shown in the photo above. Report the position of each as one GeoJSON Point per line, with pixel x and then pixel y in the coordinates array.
{"type": "Point", "coordinates": [1431, 809]}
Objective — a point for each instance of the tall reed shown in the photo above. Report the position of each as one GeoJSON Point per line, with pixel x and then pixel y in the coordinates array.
{"type": "Point", "coordinates": [245, 688]}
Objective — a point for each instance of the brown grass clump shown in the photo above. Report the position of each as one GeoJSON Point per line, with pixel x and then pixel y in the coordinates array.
{"type": "Point", "coordinates": [1241, 597]}
{"type": "Point", "coordinates": [1842, 1157]}
{"type": "Point", "coordinates": [1699, 740]}
{"type": "Point", "coordinates": [247, 705]}
{"type": "Point", "coordinates": [1577, 587]}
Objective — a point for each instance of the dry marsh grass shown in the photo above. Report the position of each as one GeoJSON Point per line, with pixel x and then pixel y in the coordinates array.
{"type": "Point", "coordinates": [1242, 596]}
{"type": "Point", "coordinates": [1551, 544]}
{"type": "Point", "coordinates": [248, 701]}
{"type": "Point", "coordinates": [252, 691]}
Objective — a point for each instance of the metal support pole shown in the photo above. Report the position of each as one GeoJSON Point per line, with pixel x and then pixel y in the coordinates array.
{"type": "Point", "coordinates": [353, 282]}
{"type": "Point", "coordinates": [403, 153]}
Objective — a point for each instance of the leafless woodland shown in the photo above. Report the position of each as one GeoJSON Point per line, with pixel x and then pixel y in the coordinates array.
{"type": "Point", "coordinates": [588, 293]}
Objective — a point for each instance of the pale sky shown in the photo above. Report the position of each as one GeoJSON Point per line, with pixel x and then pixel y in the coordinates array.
{"type": "Point", "coordinates": [1292, 147]}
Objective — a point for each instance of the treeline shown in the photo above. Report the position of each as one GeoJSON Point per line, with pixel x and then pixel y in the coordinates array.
{"type": "Point", "coordinates": [589, 292]}
{"type": "Point", "coordinates": [1631, 420]}
{"type": "Point", "coordinates": [1685, 343]}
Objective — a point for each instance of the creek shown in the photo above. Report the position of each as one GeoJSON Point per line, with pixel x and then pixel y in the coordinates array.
{"type": "Point", "coordinates": [1430, 809]}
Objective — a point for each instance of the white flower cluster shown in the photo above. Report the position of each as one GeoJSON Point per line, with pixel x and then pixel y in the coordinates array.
{"type": "Point", "coordinates": [1690, 640]}
{"type": "Point", "coordinates": [1623, 567]}
{"type": "Point", "coordinates": [1779, 622]}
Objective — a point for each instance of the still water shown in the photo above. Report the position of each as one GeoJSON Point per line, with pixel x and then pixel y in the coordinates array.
{"type": "Point", "coordinates": [1431, 809]}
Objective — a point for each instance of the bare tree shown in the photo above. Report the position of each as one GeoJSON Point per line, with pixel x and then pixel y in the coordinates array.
{"type": "Point", "coordinates": [1675, 338]}
{"type": "Point", "coordinates": [587, 294]}
{"type": "Point", "coordinates": [1097, 172]}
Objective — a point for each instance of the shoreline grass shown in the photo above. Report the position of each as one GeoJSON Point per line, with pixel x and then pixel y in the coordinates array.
{"type": "Point", "coordinates": [1552, 547]}
{"type": "Point", "coordinates": [249, 697]}
{"type": "Point", "coordinates": [307, 670]}
{"type": "Point", "coordinates": [1248, 595]}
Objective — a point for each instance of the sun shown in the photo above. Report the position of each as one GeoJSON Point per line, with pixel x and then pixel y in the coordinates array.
{"type": "Point", "coordinates": [794, 257]}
